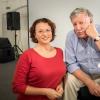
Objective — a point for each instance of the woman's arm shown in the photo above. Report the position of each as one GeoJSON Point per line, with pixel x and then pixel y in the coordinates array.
{"type": "Point", "coordinates": [50, 93]}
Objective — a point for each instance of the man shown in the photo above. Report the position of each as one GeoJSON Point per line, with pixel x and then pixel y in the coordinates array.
{"type": "Point", "coordinates": [82, 54]}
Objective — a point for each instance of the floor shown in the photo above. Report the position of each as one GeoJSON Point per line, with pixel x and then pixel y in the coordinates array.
{"type": "Point", "coordinates": [6, 73]}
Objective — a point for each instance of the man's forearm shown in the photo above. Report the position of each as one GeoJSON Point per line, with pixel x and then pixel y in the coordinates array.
{"type": "Point", "coordinates": [82, 76]}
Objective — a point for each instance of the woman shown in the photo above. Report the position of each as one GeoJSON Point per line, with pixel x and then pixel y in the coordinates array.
{"type": "Point", "coordinates": [40, 70]}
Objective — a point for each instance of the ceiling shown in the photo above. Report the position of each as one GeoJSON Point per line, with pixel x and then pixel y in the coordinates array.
{"type": "Point", "coordinates": [9, 5]}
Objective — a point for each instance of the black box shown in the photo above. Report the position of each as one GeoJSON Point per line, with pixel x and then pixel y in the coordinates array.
{"type": "Point", "coordinates": [7, 54]}
{"type": "Point", "coordinates": [6, 50]}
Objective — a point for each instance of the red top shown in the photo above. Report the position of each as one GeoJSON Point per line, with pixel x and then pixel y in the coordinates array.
{"type": "Point", "coordinates": [38, 71]}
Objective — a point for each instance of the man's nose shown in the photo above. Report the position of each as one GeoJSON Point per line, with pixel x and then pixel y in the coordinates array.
{"type": "Point", "coordinates": [78, 27]}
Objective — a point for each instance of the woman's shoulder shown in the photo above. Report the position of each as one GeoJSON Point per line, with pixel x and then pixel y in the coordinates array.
{"type": "Point", "coordinates": [27, 52]}
{"type": "Point", "coordinates": [26, 55]}
{"type": "Point", "coordinates": [59, 49]}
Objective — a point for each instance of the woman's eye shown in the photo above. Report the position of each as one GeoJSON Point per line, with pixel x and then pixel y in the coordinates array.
{"type": "Point", "coordinates": [48, 30]}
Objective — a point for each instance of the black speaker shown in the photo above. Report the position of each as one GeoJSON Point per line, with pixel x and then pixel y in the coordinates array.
{"type": "Point", "coordinates": [13, 20]}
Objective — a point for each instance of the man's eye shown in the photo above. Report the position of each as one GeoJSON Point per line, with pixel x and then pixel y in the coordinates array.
{"type": "Point", "coordinates": [81, 23]}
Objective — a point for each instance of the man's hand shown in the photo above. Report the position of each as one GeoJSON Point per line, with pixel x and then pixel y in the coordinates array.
{"type": "Point", "coordinates": [94, 88]}
{"type": "Point", "coordinates": [91, 31]}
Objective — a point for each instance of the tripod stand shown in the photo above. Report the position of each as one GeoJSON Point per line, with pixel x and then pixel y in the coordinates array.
{"type": "Point", "coordinates": [16, 47]}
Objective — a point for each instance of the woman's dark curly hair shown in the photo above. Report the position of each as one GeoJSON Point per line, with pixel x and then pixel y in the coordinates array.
{"type": "Point", "coordinates": [33, 28]}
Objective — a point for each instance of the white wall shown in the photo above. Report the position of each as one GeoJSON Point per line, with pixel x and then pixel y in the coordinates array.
{"type": "Point", "coordinates": [59, 11]}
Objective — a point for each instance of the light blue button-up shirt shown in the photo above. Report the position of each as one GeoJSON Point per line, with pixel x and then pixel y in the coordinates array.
{"type": "Point", "coordinates": [81, 54]}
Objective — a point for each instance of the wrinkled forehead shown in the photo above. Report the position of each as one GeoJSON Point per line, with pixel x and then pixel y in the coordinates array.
{"type": "Point", "coordinates": [78, 14]}
{"type": "Point", "coordinates": [81, 16]}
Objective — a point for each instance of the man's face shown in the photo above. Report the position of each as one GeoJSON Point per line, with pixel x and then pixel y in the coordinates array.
{"type": "Point", "coordinates": [80, 24]}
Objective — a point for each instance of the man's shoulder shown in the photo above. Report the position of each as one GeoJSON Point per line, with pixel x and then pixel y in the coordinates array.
{"type": "Point", "coordinates": [71, 34]}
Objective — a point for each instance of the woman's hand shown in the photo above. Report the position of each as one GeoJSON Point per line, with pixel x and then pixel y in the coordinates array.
{"type": "Point", "coordinates": [59, 89]}
{"type": "Point", "coordinates": [52, 94]}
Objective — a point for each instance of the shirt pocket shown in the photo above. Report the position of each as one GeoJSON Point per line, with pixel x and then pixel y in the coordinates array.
{"type": "Point", "coordinates": [96, 54]}
{"type": "Point", "coordinates": [81, 55]}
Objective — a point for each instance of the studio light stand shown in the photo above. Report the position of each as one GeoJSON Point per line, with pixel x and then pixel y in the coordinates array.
{"type": "Point", "coordinates": [16, 47]}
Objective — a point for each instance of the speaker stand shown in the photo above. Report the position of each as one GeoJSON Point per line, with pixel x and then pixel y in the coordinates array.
{"type": "Point", "coordinates": [16, 47]}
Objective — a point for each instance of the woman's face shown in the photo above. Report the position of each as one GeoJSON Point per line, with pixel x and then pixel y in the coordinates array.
{"type": "Point", "coordinates": [43, 33]}
{"type": "Point", "coordinates": [80, 24]}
